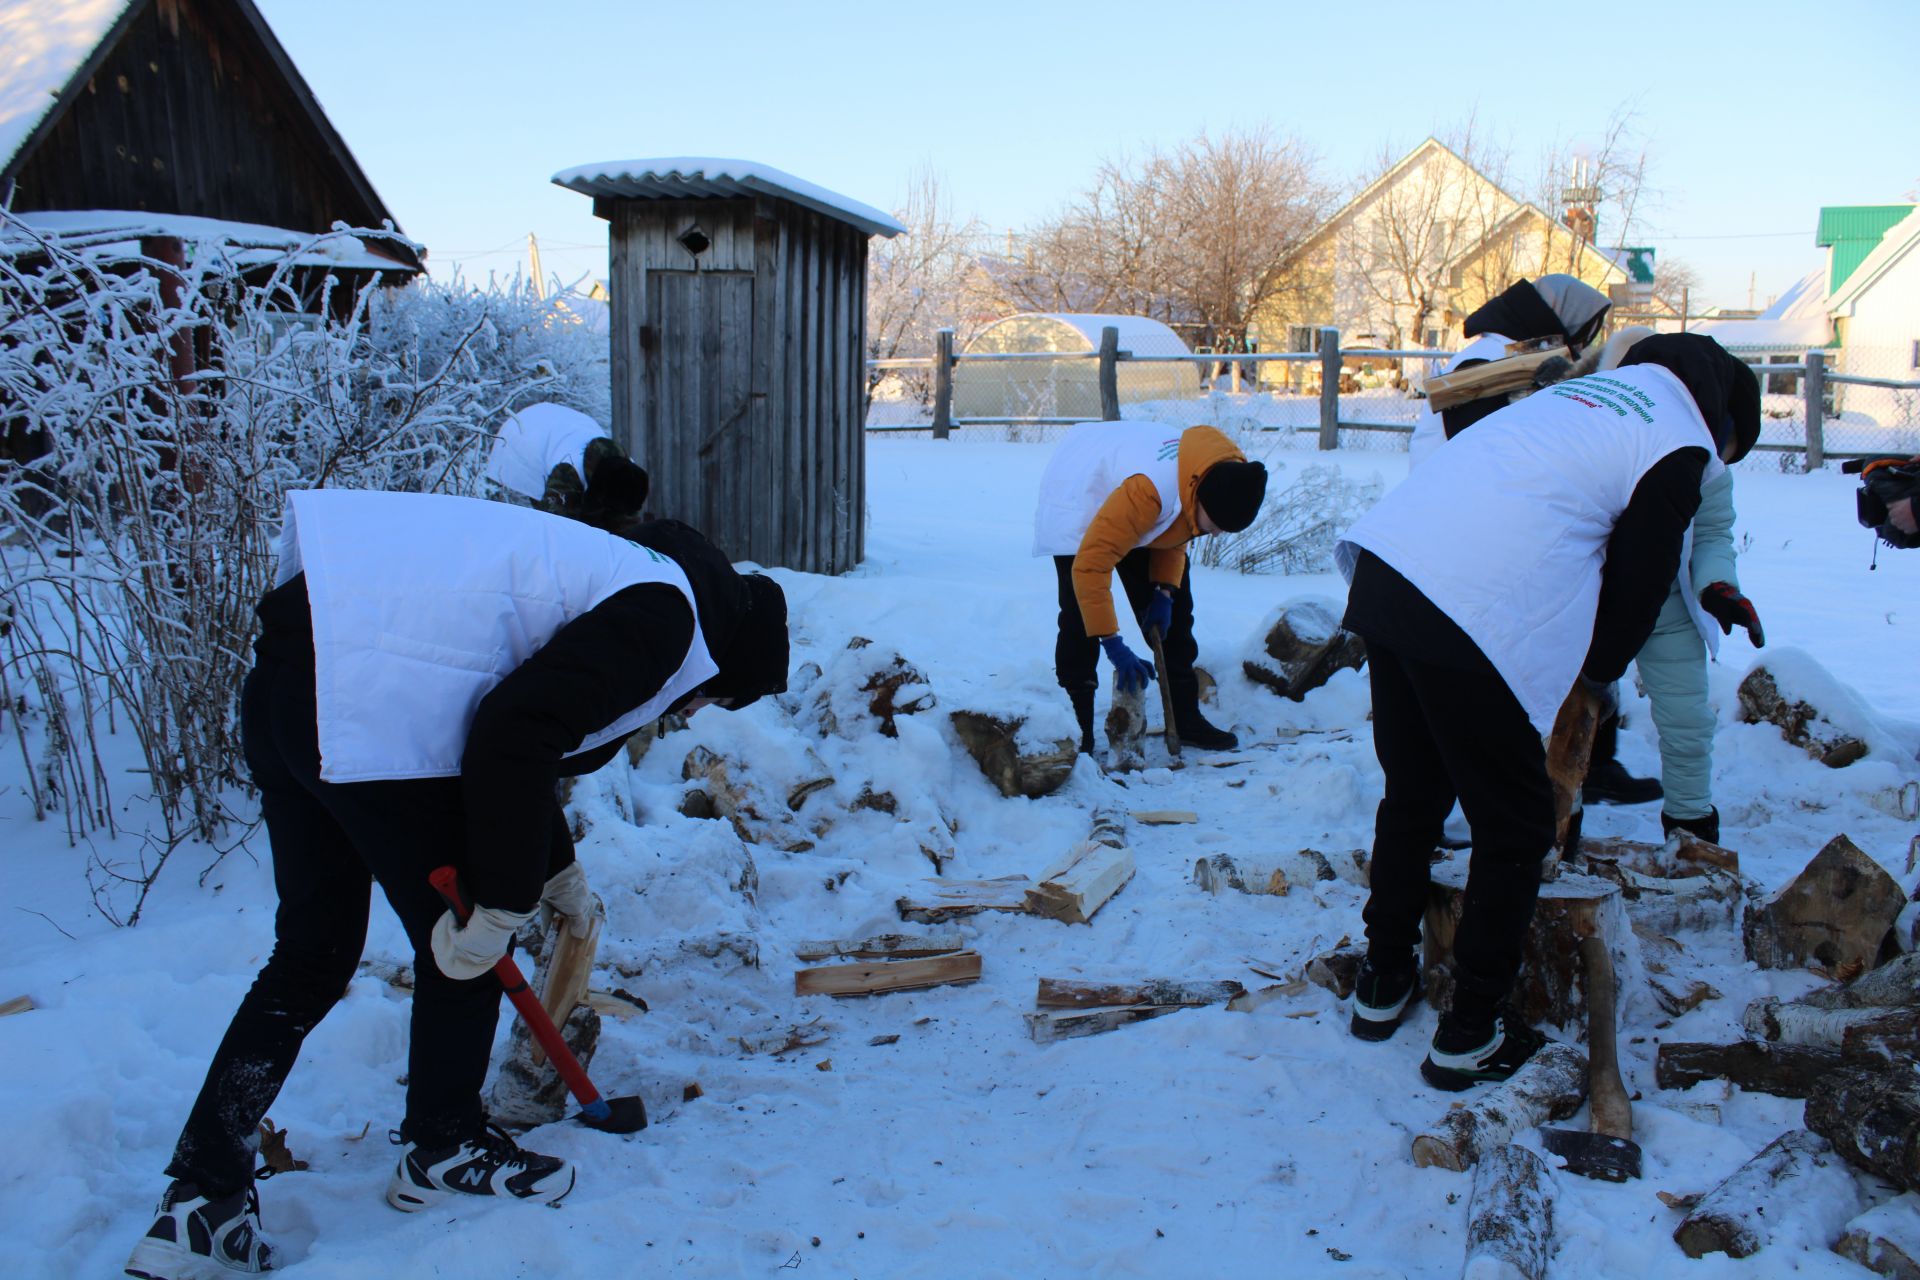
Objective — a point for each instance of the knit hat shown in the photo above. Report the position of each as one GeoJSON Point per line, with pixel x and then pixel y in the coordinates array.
{"type": "Point", "coordinates": [1723, 388]}
{"type": "Point", "coordinates": [617, 487]}
{"type": "Point", "coordinates": [755, 660]}
{"type": "Point", "coordinates": [1231, 492]}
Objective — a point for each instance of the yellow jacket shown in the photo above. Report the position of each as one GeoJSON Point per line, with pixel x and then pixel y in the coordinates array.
{"type": "Point", "coordinates": [1129, 514]}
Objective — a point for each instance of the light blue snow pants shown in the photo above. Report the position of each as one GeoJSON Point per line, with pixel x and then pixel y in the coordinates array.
{"type": "Point", "coordinates": [1673, 667]}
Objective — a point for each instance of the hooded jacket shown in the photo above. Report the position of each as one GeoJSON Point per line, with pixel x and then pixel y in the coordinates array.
{"type": "Point", "coordinates": [1131, 515]}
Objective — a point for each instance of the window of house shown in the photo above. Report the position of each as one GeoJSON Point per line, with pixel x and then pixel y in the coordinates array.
{"type": "Point", "coordinates": [1916, 353]}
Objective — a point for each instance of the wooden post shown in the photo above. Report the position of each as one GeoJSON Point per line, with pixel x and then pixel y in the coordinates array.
{"type": "Point", "coordinates": [1329, 387]}
{"type": "Point", "coordinates": [942, 384]}
{"type": "Point", "coordinates": [1816, 393]}
{"type": "Point", "coordinates": [1109, 374]}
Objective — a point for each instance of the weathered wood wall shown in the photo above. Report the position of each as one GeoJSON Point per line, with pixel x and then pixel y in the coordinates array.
{"type": "Point", "coordinates": [738, 375]}
{"type": "Point", "coordinates": [190, 113]}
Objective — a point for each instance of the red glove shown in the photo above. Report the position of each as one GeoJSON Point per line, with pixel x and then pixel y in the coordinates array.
{"type": "Point", "coordinates": [1726, 606]}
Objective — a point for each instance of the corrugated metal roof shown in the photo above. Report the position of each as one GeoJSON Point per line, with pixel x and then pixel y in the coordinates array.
{"type": "Point", "coordinates": [1851, 232]}
{"type": "Point", "coordinates": [700, 177]}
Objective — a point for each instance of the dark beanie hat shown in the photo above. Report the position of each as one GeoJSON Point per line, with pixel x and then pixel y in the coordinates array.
{"type": "Point", "coordinates": [754, 662]}
{"type": "Point", "coordinates": [1232, 491]}
{"type": "Point", "coordinates": [617, 488]}
{"type": "Point", "coordinates": [1723, 387]}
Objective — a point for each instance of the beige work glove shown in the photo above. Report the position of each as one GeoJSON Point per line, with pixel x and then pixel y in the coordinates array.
{"type": "Point", "coordinates": [567, 896]}
{"type": "Point", "coordinates": [465, 951]}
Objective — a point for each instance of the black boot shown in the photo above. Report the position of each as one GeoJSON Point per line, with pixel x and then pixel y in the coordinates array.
{"type": "Point", "coordinates": [1194, 729]}
{"type": "Point", "coordinates": [1608, 781]}
{"type": "Point", "coordinates": [1083, 712]}
{"type": "Point", "coordinates": [1707, 828]}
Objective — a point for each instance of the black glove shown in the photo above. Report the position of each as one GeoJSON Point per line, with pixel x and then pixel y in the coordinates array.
{"type": "Point", "coordinates": [1159, 614]}
{"type": "Point", "coordinates": [1130, 673]}
{"type": "Point", "coordinates": [1726, 606]}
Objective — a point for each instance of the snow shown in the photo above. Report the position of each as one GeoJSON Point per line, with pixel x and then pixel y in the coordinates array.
{"type": "Point", "coordinates": [1796, 321]}
{"type": "Point", "coordinates": [1207, 1142]}
{"type": "Point", "coordinates": [693, 177]}
{"type": "Point", "coordinates": [249, 243]}
{"type": "Point", "coordinates": [42, 45]}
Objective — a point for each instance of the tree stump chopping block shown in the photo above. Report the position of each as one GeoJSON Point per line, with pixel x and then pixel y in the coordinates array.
{"type": "Point", "coordinates": [1550, 987]}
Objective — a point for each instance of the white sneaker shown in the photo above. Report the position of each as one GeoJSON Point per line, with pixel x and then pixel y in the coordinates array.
{"type": "Point", "coordinates": [194, 1238]}
{"type": "Point", "coordinates": [488, 1164]}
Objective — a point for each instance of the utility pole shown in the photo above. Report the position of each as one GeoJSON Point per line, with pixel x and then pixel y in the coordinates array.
{"type": "Point", "coordinates": [533, 267]}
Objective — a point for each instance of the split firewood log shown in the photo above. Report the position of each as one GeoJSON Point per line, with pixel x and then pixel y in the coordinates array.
{"type": "Point", "coordinates": [1510, 1217]}
{"type": "Point", "coordinates": [1073, 993]}
{"type": "Point", "coordinates": [1551, 1086]}
{"type": "Point", "coordinates": [1835, 913]}
{"type": "Point", "coordinates": [1873, 1120]}
{"type": "Point", "coordinates": [1886, 1239]}
{"type": "Point", "coordinates": [1798, 1169]}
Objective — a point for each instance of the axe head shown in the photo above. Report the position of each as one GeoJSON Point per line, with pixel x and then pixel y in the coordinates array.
{"type": "Point", "coordinates": [1594, 1155]}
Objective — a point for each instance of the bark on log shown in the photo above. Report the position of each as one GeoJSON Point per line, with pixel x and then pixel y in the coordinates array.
{"type": "Point", "coordinates": [1735, 1218]}
{"type": "Point", "coordinates": [1896, 982]}
{"type": "Point", "coordinates": [1550, 986]}
{"type": "Point", "coordinates": [994, 743]}
{"type": "Point", "coordinates": [1550, 1087]}
{"type": "Point", "coordinates": [1304, 648]}
{"type": "Point", "coordinates": [1893, 1036]}
{"type": "Point", "coordinates": [1127, 731]}
{"type": "Point", "coordinates": [1080, 884]}
{"type": "Point", "coordinates": [1886, 1239]}
{"type": "Point", "coordinates": [1510, 1217]}
{"type": "Point", "coordinates": [1789, 1022]}
{"type": "Point", "coordinates": [1070, 993]}
{"type": "Point", "coordinates": [1783, 1070]}
{"type": "Point", "coordinates": [1337, 970]}
{"type": "Point", "coordinates": [1277, 873]}
{"type": "Point", "coordinates": [1873, 1120]}
{"type": "Point", "coordinates": [1681, 855]}
{"type": "Point", "coordinates": [937, 901]}
{"type": "Point", "coordinates": [1835, 913]}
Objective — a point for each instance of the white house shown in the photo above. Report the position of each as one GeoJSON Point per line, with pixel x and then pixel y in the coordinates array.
{"type": "Point", "coordinates": [1876, 321]}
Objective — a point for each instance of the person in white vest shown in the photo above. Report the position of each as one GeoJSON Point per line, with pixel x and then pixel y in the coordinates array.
{"type": "Point", "coordinates": [427, 667]}
{"type": "Point", "coordinates": [1554, 306]}
{"type": "Point", "coordinates": [1528, 554]}
{"type": "Point", "coordinates": [1126, 498]}
{"type": "Point", "coordinates": [561, 461]}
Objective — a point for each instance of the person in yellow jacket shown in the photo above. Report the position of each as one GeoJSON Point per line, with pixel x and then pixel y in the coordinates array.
{"type": "Point", "coordinates": [1127, 497]}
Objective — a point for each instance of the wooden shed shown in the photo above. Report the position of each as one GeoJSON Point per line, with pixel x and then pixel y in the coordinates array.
{"type": "Point", "coordinates": [738, 351]}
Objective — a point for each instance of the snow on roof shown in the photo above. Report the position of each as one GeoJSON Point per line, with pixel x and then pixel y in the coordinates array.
{"type": "Point", "coordinates": [253, 244]}
{"type": "Point", "coordinates": [1898, 240]}
{"type": "Point", "coordinates": [695, 177]}
{"type": "Point", "coordinates": [45, 44]}
{"type": "Point", "coordinates": [1796, 321]}
{"type": "Point", "coordinates": [1138, 334]}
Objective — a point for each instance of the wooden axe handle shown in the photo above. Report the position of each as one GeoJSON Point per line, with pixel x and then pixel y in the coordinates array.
{"type": "Point", "coordinates": [1166, 693]}
{"type": "Point", "coordinates": [1612, 1111]}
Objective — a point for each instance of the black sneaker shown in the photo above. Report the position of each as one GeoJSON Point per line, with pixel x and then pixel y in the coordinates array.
{"type": "Point", "coordinates": [1381, 998]}
{"type": "Point", "coordinates": [488, 1164]}
{"type": "Point", "coordinates": [1608, 782]}
{"type": "Point", "coordinates": [1707, 828]}
{"type": "Point", "coordinates": [1455, 1062]}
{"type": "Point", "coordinates": [193, 1238]}
{"type": "Point", "coordinates": [1196, 732]}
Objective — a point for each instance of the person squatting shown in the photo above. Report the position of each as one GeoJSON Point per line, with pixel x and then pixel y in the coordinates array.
{"type": "Point", "coordinates": [427, 666]}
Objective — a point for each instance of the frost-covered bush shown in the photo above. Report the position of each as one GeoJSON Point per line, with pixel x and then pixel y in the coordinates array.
{"type": "Point", "coordinates": [1298, 526]}
{"type": "Point", "coordinates": [176, 405]}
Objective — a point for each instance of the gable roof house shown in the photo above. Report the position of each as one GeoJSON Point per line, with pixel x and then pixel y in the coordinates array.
{"type": "Point", "coordinates": [176, 123]}
{"type": "Point", "coordinates": [1404, 262]}
{"type": "Point", "coordinates": [1875, 312]}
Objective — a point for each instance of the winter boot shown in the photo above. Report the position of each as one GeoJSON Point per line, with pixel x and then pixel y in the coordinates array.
{"type": "Point", "coordinates": [1195, 731]}
{"type": "Point", "coordinates": [1707, 828]}
{"type": "Point", "coordinates": [1382, 993]}
{"type": "Point", "coordinates": [1467, 1051]}
{"type": "Point", "coordinates": [487, 1164]}
{"type": "Point", "coordinates": [1608, 781]}
{"type": "Point", "coordinates": [1083, 713]}
{"type": "Point", "coordinates": [194, 1238]}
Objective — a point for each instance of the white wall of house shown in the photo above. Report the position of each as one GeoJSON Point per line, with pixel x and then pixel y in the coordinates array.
{"type": "Point", "coordinates": [1880, 330]}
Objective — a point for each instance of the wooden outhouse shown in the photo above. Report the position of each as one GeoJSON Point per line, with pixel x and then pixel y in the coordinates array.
{"type": "Point", "coordinates": [738, 351]}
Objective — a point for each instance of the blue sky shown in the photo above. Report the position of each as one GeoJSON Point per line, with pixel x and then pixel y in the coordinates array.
{"type": "Point", "coordinates": [1756, 114]}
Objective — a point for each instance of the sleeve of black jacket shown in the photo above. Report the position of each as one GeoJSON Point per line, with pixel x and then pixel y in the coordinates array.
{"type": "Point", "coordinates": [1643, 556]}
{"type": "Point", "coordinates": [1457, 419]}
{"type": "Point", "coordinates": [601, 665]}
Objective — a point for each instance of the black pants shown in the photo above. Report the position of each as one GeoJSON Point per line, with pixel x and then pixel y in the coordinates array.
{"type": "Point", "coordinates": [1442, 733]}
{"type": "Point", "coordinates": [331, 843]}
{"type": "Point", "coordinates": [1076, 656]}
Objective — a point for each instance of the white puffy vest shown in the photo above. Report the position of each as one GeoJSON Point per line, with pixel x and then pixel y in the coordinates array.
{"type": "Point", "coordinates": [422, 603]}
{"type": "Point", "coordinates": [1506, 528]}
{"type": "Point", "coordinates": [536, 440]}
{"type": "Point", "coordinates": [1429, 433]}
{"type": "Point", "coordinates": [1090, 462]}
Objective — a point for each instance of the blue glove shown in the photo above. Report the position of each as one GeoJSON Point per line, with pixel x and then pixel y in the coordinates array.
{"type": "Point", "coordinates": [1130, 673]}
{"type": "Point", "coordinates": [1159, 614]}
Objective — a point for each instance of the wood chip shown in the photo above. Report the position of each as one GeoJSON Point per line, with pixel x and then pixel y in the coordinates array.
{"type": "Point", "coordinates": [887, 1039]}
{"type": "Point", "coordinates": [1165, 817]}
{"type": "Point", "coordinates": [19, 1004]}
{"type": "Point", "coordinates": [692, 1091]}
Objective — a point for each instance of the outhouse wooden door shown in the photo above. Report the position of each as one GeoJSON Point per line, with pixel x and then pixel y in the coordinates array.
{"type": "Point", "coordinates": [700, 392]}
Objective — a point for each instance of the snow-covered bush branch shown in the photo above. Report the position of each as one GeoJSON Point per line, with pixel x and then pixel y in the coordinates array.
{"type": "Point", "coordinates": [1297, 527]}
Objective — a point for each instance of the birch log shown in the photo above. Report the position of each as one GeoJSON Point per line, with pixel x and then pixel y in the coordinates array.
{"type": "Point", "coordinates": [1796, 1169]}
{"type": "Point", "coordinates": [1510, 1218]}
{"type": "Point", "coordinates": [1549, 1087]}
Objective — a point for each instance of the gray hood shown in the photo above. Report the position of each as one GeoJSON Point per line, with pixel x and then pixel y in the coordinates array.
{"type": "Point", "coordinates": [1580, 306]}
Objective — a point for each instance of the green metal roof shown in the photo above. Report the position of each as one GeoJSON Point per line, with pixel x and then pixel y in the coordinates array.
{"type": "Point", "coordinates": [1852, 231]}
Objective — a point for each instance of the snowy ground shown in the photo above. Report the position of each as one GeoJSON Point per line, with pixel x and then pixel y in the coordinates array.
{"type": "Point", "coordinates": [1208, 1143]}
